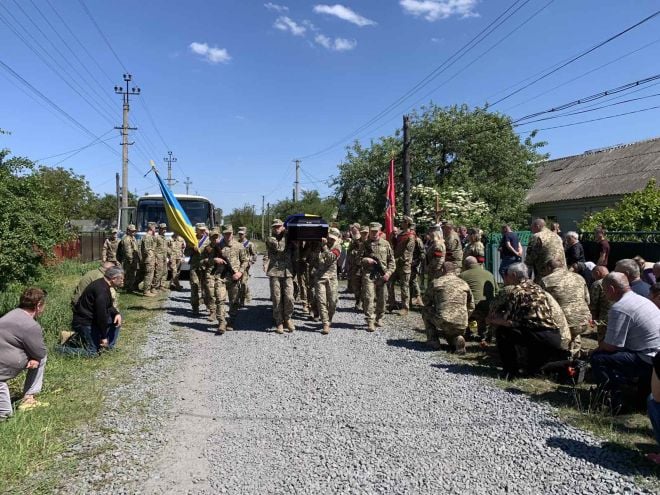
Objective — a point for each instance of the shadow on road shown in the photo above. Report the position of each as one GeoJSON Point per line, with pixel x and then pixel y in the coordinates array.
{"type": "Point", "coordinates": [412, 344]}
{"type": "Point", "coordinates": [199, 326]}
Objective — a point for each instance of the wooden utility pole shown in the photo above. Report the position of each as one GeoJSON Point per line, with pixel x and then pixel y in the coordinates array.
{"type": "Point", "coordinates": [406, 165]}
{"type": "Point", "coordinates": [169, 159]}
{"type": "Point", "coordinates": [296, 192]}
{"type": "Point", "coordinates": [126, 93]}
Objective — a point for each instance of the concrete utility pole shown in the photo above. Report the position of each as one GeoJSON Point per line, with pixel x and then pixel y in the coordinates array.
{"type": "Point", "coordinates": [268, 213]}
{"type": "Point", "coordinates": [188, 183]}
{"type": "Point", "coordinates": [263, 202]}
{"type": "Point", "coordinates": [296, 194]}
{"type": "Point", "coordinates": [126, 93]}
{"type": "Point", "coordinates": [169, 159]}
{"type": "Point", "coordinates": [406, 165]}
{"type": "Point", "coordinates": [118, 188]}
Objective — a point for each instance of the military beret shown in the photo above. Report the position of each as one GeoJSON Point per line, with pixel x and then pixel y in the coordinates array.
{"type": "Point", "coordinates": [131, 227]}
{"type": "Point", "coordinates": [277, 222]}
{"type": "Point", "coordinates": [227, 229]}
{"type": "Point", "coordinates": [162, 226]}
{"type": "Point", "coordinates": [375, 226]}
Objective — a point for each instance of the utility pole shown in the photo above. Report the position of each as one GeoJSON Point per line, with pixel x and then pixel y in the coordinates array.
{"type": "Point", "coordinates": [188, 183]}
{"type": "Point", "coordinates": [406, 165]}
{"type": "Point", "coordinates": [263, 200]}
{"type": "Point", "coordinates": [169, 159]}
{"type": "Point", "coordinates": [268, 213]}
{"type": "Point", "coordinates": [126, 93]}
{"type": "Point", "coordinates": [118, 189]}
{"type": "Point", "coordinates": [296, 194]}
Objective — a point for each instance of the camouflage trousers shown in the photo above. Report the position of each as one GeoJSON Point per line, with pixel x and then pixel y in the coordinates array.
{"type": "Point", "coordinates": [199, 287]}
{"type": "Point", "coordinates": [355, 279]}
{"type": "Point", "coordinates": [234, 288]}
{"type": "Point", "coordinates": [437, 327]}
{"type": "Point", "coordinates": [281, 295]}
{"type": "Point", "coordinates": [575, 345]}
{"type": "Point", "coordinates": [160, 273]}
{"type": "Point", "coordinates": [301, 278]}
{"type": "Point", "coordinates": [399, 277]}
{"type": "Point", "coordinates": [244, 290]}
{"type": "Point", "coordinates": [312, 300]}
{"type": "Point", "coordinates": [149, 267]}
{"type": "Point", "coordinates": [176, 273]}
{"type": "Point", "coordinates": [415, 289]}
{"type": "Point", "coordinates": [373, 298]}
{"type": "Point", "coordinates": [218, 289]}
{"type": "Point", "coordinates": [130, 273]}
{"type": "Point", "coordinates": [327, 293]}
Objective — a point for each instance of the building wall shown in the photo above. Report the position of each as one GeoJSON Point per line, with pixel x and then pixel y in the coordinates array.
{"type": "Point", "coordinates": [569, 213]}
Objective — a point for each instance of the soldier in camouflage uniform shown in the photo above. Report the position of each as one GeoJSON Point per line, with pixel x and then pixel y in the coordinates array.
{"type": "Point", "coordinates": [599, 304]}
{"type": "Point", "coordinates": [230, 261]}
{"type": "Point", "coordinates": [300, 269]}
{"type": "Point", "coordinates": [417, 271]}
{"type": "Point", "coordinates": [210, 290]}
{"type": "Point", "coordinates": [148, 257]}
{"type": "Point", "coordinates": [130, 258]}
{"type": "Point", "coordinates": [326, 278]}
{"type": "Point", "coordinates": [110, 246]}
{"type": "Point", "coordinates": [544, 246]}
{"type": "Point", "coordinates": [251, 253]}
{"type": "Point", "coordinates": [475, 247]}
{"type": "Point", "coordinates": [312, 250]}
{"type": "Point", "coordinates": [404, 249]}
{"type": "Point", "coordinates": [570, 291]}
{"type": "Point", "coordinates": [175, 247]}
{"type": "Point", "coordinates": [198, 280]}
{"type": "Point", "coordinates": [453, 246]}
{"type": "Point", "coordinates": [527, 318]}
{"type": "Point", "coordinates": [280, 272]}
{"type": "Point", "coordinates": [359, 237]}
{"type": "Point", "coordinates": [447, 304]}
{"type": "Point", "coordinates": [377, 255]}
{"type": "Point", "coordinates": [160, 274]}
{"type": "Point", "coordinates": [435, 256]}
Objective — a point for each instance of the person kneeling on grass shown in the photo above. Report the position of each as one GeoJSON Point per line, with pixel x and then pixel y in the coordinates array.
{"type": "Point", "coordinates": [22, 347]}
{"type": "Point", "coordinates": [96, 321]}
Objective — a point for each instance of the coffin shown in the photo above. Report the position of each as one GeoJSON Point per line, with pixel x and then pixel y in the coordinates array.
{"type": "Point", "coordinates": [304, 227]}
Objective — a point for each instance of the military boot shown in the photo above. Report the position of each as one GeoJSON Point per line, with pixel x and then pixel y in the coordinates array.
{"type": "Point", "coordinates": [459, 344]}
{"type": "Point", "coordinates": [149, 293]}
{"type": "Point", "coordinates": [290, 327]}
{"type": "Point", "coordinates": [221, 329]}
{"type": "Point", "coordinates": [403, 312]}
{"type": "Point", "coordinates": [279, 328]}
{"type": "Point", "coordinates": [326, 329]}
{"type": "Point", "coordinates": [195, 311]}
{"type": "Point", "coordinates": [211, 316]}
{"type": "Point", "coordinates": [230, 324]}
{"type": "Point", "coordinates": [379, 322]}
{"type": "Point", "coordinates": [370, 326]}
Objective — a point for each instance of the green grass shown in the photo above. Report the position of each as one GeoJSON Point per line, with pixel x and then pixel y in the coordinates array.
{"type": "Point", "coordinates": [31, 441]}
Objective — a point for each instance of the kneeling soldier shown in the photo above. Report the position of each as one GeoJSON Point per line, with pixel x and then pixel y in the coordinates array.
{"type": "Point", "coordinates": [448, 302]}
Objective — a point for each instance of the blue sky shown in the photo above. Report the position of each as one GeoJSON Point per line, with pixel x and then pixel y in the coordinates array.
{"type": "Point", "coordinates": [238, 89]}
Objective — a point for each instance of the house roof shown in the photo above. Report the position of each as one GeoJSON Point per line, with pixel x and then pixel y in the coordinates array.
{"type": "Point", "coordinates": [613, 171]}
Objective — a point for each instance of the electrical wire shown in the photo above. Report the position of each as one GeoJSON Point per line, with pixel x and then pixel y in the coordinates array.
{"type": "Point", "coordinates": [95, 141]}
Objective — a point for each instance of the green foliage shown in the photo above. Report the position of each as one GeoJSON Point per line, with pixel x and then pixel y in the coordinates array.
{"type": "Point", "coordinates": [455, 205]}
{"type": "Point", "coordinates": [638, 211]}
{"type": "Point", "coordinates": [310, 202]}
{"type": "Point", "coordinates": [245, 216]}
{"type": "Point", "coordinates": [453, 148]}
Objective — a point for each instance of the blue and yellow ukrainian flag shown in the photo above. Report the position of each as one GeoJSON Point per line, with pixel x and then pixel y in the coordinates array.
{"type": "Point", "coordinates": [176, 217]}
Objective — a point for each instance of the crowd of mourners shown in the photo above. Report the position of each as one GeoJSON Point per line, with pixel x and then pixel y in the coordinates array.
{"type": "Point", "coordinates": [551, 297]}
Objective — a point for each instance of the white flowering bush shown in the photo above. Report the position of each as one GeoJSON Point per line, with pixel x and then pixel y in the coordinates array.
{"type": "Point", "coordinates": [456, 205]}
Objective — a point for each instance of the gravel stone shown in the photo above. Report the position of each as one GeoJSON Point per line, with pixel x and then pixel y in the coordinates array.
{"type": "Point", "coordinates": [350, 412]}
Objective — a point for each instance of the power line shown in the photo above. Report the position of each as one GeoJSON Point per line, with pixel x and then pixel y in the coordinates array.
{"type": "Point", "coordinates": [98, 28]}
{"type": "Point", "coordinates": [576, 58]}
{"type": "Point", "coordinates": [96, 141]}
{"type": "Point", "coordinates": [596, 120]}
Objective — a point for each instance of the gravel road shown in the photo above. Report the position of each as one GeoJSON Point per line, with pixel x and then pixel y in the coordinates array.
{"type": "Point", "coordinates": [351, 412]}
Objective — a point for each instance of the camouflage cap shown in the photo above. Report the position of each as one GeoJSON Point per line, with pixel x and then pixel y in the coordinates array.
{"type": "Point", "coordinates": [200, 226]}
{"type": "Point", "coordinates": [131, 226]}
{"type": "Point", "coordinates": [408, 220]}
{"type": "Point", "coordinates": [375, 226]}
{"type": "Point", "coordinates": [334, 233]}
{"type": "Point", "coordinates": [162, 226]}
{"type": "Point", "coordinates": [364, 228]}
{"type": "Point", "coordinates": [242, 230]}
{"type": "Point", "coordinates": [152, 224]}
{"type": "Point", "coordinates": [277, 223]}
{"type": "Point", "coordinates": [227, 229]}
{"type": "Point", "coordinates": [214, 231]}
{"type": "Point", "coordinates": [113, 231]}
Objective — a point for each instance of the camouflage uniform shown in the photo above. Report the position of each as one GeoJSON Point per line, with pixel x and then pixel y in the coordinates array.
{"type": "Point", "coordinates": [600, 307]}
{"type": "Point", "coordinates": [373, 290]}
{"type": "Point", "coordinates": [403, 256]}
{"type": "Point", "coordinates": [251, 253]}
{"type": "Point", "coordinates": [300, 265]}
{"type": "Point", "coordinates": [435, 258]}
{"type": "Point", "coordinates": [417, 270]}
{"type": "Point", "coordinates": [543, 247]}
{"type": "Point", "coordinates": [175, 249]}
{"type": "Point", "coordinates": [198, 280]}
{"type": "Point", "coordinates": [570, 291]}
{"type": "Point", "coordinates": [109, 252]}
{"type": "Point", "coordinates": [280, 272]}
{"type": "Point", "coordinates": [148, 256]}
{"type": "Point", "coordinates": [475, 249]}
{"type": "Point", "coordinates": [160, 272]}
{"type": "Point", "coordinates": [312, 250]}
{"type": "Point", "coordinates": [355, 269]}
{"type": "Point", "coordinates": [220, 278]}
{"type": "Point", "coordinates": [447, 305]}
{"type": "Point", "coordinates": [131, 259]}
{"type": "Point", "coordinates": [326, 281]}
{"type": "Point", "coordinates": [454, 250]}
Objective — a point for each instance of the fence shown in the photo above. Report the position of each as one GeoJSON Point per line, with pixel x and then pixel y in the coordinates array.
{"type": "Point", "coordinates": [624, 244]}
{"type": "Point", "coordinates": [493, 259]}
{"type": "Point", "coordinates": [87, 247]}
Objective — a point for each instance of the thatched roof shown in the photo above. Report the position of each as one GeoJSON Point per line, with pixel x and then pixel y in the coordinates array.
{"type": "Point", "coordinates": [611, 171]}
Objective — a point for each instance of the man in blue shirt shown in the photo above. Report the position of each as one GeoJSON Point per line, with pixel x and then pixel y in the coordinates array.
{"type": "Point", "coordinates": [510, 250]}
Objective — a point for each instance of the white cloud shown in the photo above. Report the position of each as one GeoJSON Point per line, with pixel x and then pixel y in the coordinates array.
{"type": "Point", "coordinates": [433, 10]}
{"type": "Point", "coordinates": [284, 23]}
{"type": "Point", "coordinates": [277, 8]}
{"type": "Point", "coordinates": [336, 45]}
{"type": "Point", "coordinates": [212, 54]}
{"type": "Point", "coordinates": [344, 13]}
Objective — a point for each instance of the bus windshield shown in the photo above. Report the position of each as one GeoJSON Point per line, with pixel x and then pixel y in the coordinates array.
{"type": "Point", "coordinates": [152, 210]}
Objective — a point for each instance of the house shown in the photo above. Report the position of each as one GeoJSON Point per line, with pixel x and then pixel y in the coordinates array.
{"type": "Point", "coordinates": [569, 188]}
